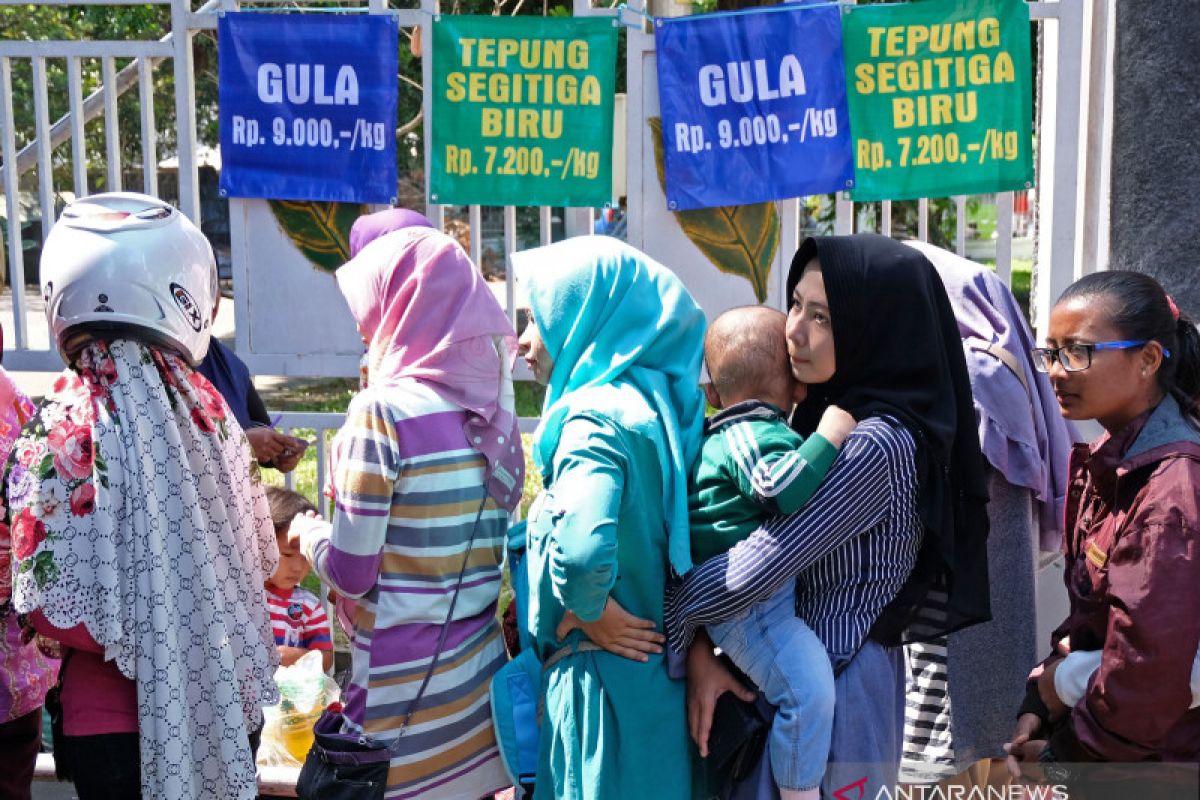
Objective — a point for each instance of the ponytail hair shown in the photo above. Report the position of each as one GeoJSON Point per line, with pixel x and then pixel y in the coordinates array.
{"type": "Point", "coordinates": [1139, 308]}
{"type": "Point", "coordinates": [1187, 364]}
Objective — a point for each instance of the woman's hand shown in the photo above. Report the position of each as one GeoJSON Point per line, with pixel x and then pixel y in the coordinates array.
{"type": "Point", "coordinates": [617, 631]}
{"type": "Point", "coordinates": [707, 680]}
{"type": "Point", "coordinates": [1024, 750]}
{"type": "Point", "coordinates": [1046, 690]}
{"type": "Point", "coordinates": [276, 449]}
{"type": "Point", "coordinates": [267, 443]}
{"type": "Point", "coordinates": [290, 457]}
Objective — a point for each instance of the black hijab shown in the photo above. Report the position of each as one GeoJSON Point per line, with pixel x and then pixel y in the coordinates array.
{"type": "Point", "coordinates": [899, 354]}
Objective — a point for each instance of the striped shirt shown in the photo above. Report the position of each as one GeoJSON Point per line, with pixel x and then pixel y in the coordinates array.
{"type": "Point", "coordinates": [408, 487]}
{"type": "Point", "coordinates": [928, 754]}
{"type": "Point", "coordinates": [298, 619]}
{"type": "Point", "coordinates": [851, 548]}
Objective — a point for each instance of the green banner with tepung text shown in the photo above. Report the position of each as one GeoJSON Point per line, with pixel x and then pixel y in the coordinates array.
{"type": "Point", "coordinates": [522, 110]}
{"type": "Point", "coordinates": [941, 98]}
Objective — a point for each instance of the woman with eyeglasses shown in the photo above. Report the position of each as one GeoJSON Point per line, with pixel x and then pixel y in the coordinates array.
{"type": "Point", "coordinates": [1118, 685]}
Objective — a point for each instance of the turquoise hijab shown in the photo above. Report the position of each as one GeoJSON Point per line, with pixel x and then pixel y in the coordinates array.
{"type": "Point", "coordinates": [613, 318]}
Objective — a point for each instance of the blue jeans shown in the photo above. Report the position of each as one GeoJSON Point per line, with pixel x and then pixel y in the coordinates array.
{"type": "Point", "coordinates": [869, 725]}
{"type": "Point", "coordinates": [788, 663]}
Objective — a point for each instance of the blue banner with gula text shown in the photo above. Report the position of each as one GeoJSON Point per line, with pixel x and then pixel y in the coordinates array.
{"type": "Point", "coordinates": [308, 106]}
{"type": "Point", "coordinates": [753, 106]}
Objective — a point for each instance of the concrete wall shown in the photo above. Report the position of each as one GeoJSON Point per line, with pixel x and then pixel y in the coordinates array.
{"type": "Point", "coordinates": [1155, 212]}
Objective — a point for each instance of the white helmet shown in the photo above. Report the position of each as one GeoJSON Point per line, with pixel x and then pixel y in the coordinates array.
{"type": "Point", "coordinates": [124, 264]}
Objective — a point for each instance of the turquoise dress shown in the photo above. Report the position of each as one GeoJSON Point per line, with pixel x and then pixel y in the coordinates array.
{"type": "Point", "coordinates": [620, 428]}
{"type": "Point", "coordinates": [614, 728]}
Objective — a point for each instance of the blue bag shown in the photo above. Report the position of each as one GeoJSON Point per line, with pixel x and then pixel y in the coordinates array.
{"type": "Point", "coordinates": [516, 687]}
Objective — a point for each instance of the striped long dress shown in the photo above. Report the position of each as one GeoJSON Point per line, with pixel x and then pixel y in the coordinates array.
{"type": "Point", "coordinates": [408, 486]}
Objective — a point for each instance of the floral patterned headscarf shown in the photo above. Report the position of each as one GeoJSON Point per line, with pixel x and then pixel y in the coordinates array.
{"type": "Point", "coordinates": [15, 410]}
{"type": "Point", "coordinates": [136, 511]}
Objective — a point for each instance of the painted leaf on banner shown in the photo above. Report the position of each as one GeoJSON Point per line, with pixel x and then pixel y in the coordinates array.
{"type": "Point", "coordinates": [319, 230]}
{"type": "Point", "coordinates": [738, 240]}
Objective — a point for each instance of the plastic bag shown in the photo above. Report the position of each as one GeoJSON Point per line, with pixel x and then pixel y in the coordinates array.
{"type": "Point", "coordinates": [304, 691]}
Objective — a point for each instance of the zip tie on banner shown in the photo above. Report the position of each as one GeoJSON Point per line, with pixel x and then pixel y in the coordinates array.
{"type": "Point", "coordinates": [619, 19]}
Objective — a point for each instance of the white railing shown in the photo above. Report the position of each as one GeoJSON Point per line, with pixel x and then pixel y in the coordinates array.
{"type": "Point", "coordinates": [1071, 200]}
{"type": "Point", "coordinates": [39, 152]}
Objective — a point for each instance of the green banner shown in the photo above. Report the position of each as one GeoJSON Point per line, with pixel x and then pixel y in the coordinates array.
{"type": "Point", "coordinates": [941, 98]}
{"type": "Point", "coordinates": [522, 110]}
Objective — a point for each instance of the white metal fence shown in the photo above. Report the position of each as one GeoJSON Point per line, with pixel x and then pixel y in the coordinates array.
{"type": "Point", "coordinates": [1070, 209]}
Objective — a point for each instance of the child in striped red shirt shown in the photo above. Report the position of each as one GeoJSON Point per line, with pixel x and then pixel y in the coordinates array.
{"type": "Point", "coordinates": [298, 619]}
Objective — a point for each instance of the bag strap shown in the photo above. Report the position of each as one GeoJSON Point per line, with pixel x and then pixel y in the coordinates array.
{"type": "Point", "coordinates": [437, 653]}
{"type": "Point", "coordinates": [1002, 354]}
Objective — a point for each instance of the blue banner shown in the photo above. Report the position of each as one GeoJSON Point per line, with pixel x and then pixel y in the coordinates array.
{"type": "Point", "coordinates": [308, 106]}
{"type": "Point", "coordinates": [753, 106]}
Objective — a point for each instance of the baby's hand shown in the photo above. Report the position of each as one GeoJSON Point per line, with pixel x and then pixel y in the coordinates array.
{"type": "Point", "coordinates": [836, 425]}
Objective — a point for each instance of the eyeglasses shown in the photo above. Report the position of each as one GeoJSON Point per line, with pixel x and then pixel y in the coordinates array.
{"type": "Point", "coordinates": [1078, 357]}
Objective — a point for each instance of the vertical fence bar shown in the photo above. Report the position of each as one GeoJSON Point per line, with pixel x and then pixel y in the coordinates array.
{"type": "Point", "coordinates": [320, 437]}
{"type": "Point", "coordinates": [434, 210]}
{"type": "Point", "coordinates": [41, 114]}
{"type": "Point", "coordinates": [149, 133]}
{"type": "Point", "coordinates": [437, 215]}
{"type": "Point", "coordinates": [844, 220]}
{"type": "Point", "coordinates": [475, 221]}
{"type": "Point", "coordinates": [78, 144]}
{"type": "Point", "coordinates": [510, 246]}
{"type": "Point", "coordinates": [1004, 231]}
{"type": "Point", "coordinates": [960, 225]}
{"type": "Point", "coordinates": [544, 225]}
{"type": "Point", "coordinates": [1059, 147]}
{"type": "Point", "coordinates": [112, 131]}
{"type": "Point", "coordinates": [16, 256]}
{"type": "Point", "coordinates": [923, 219]}
{"type": "Point", "coordinates": [185, 110]}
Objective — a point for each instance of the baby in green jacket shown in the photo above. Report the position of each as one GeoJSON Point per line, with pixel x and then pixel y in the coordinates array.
{"type": "Point", "coordinates": [753, 465]}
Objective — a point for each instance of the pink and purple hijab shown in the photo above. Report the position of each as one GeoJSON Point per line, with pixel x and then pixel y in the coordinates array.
{"type": "Point", "coordinates": [429, 316]}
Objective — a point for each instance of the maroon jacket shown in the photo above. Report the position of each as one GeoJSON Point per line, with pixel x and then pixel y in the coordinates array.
{"type": "Point", "coordinates": [1133, 577]}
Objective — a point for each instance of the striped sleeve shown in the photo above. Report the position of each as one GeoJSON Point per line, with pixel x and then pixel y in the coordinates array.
{"type": "Point", "coordinates": [772, 470]}
{"type": "Point", "coordinates": [363, 481]}
{"type": "Point", "coordinates": [855, 497]}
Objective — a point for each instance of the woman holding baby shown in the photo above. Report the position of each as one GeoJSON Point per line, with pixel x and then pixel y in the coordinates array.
{"type": "Point", "coordinates": [892, 546]}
